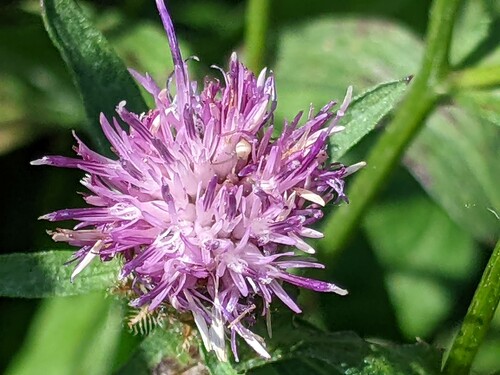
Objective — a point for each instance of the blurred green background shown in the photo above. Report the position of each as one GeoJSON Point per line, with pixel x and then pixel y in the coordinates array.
{"type": "Point", "coordinates": [414, 263]}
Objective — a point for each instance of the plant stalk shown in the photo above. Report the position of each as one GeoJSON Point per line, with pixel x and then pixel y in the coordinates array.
{"type": "Point", "coordinates": [477, 320]}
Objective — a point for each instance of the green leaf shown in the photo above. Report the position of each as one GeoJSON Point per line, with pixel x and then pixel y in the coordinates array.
{"type": "Point", "coordinates": [487, 360]}
{"type": "Point", "coordinates": [318, 60]}
{"type": "Point", "coordinates": [76, 335]}
{"type": "Point", "coordinates": [454, 156]}
{"type": "Point", "coordinates": [364, 113]}
{"type": "Point", "coordinates": [143, 46]}
{"type": "Point", "coordinates": [426, 257]}
{"type": "Point", "coordinates": [44, 274]}
{"type": "Point", "coordinates": [343, 353]}
{"type": "Point", "coordinates": [483, 103]}
{"type": "Point", "coordinates": [475, 37]}
{"type": "Point", "coordinates": [215, 366]}
{"type": "Point", "coordinates": [455, 159]}
{"type": "Point", "coordinates": [99, 74]}
{"type": "Point", "coordinates": [36, 94]}
{"type": "Point", "coordinates": [164, 346]}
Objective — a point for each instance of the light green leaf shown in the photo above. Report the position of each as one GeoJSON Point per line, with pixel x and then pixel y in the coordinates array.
{"type": "Point", "coordinates": [318, 60]}
{"type": "Point", "coordinates": [483, 103]}
{"type": "Point", "coordinates": [75, 335]}
{"type": "Point", "coordinates": [144, 47]}
{"type": "Point", "coordinates": [364, 113]}
{"type": "Point", "coordinates": [475, 43]}
{"type": "Point", "coordinates": [455, 159]}
{"type": "Point", "coordinates": [427, 259]}
{"type": "Point", "coordinates": [99, 74]}
{"type": "Point", "coordinates": [44, 274]}
{"type": "Point", "coordinates": [474, 33]}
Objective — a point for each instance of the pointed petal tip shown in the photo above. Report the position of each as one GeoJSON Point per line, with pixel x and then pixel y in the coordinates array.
{"type": "Point", "coordinates": [48, 217]}
{"type": "Point", "coordinates": [335, 289]}
{"type": "Point", "coordinates": [172, 38]}
{"type": "Point", "coordinates": [354, 168]}
{"type": "Point", "coordinates": [310, 196]}
{"type": "Point", "coordinates": [41, 161]}
{"type": "Point", "coordinates": [102, 117]}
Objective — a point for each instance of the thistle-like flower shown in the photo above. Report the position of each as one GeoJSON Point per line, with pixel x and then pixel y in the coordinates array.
{"type": "Point", "coordinates": [202, 201]}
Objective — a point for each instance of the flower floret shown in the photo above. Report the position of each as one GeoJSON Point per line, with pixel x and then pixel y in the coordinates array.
{"type": "Point", "coordinates": [203, 203]}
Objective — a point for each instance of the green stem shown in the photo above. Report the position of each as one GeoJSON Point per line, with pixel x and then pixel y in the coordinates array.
{"type": "Point", "coordinates": [408, 120]}
{"type": "Point", "coordinates": [477, 321]}
{"type": "Point", "coordinates": [257, 20]}
{"type": "Point", "coordinates": [477, 77]}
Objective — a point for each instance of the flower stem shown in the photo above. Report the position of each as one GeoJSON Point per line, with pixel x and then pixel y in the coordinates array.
{"type": "Point", "coordinates": [421, 99]}
{"type": "Point", "coordinates": [477, 320]}
{"type": "Point", "coordinates": [257, 21]}
{"type": "Point", "coordinates": [477, 77]}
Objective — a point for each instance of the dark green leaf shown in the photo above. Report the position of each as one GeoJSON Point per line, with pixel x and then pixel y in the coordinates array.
{"type": "Point", "coordinates": [35, 94]}
{"type": "Point", "coordinates": [344, 353]}
{"type": "Point", "coordinates": [427, 258]}
{"type": "Point", "coordinates": [44, 274]}
{"type": "Point", "coordinates": [215, 366]}
{"type": "Point", "coordinates": [76, 335]}
{"type": "Point", "coordinates": [99, 74]}
{"type": "Point", "coordinates": [364, 113]}
{"type": "Point", "coordinates": [164, 347]}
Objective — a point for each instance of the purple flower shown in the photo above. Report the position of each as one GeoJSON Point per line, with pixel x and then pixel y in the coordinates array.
{"type": "Point", "coordinates": [203, 205]}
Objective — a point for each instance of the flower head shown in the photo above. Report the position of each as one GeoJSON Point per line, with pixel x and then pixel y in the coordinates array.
{"type": "Point", "coordinates": [202, 204]}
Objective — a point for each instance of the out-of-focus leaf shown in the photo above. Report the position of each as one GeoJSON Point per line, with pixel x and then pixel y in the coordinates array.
{"type": "Point", "coordinates": [427, 259]}
{"type": "Point", "coordinates": [487, 360]}
{"type": "Point", "coordinates": [410, 12]}
{"type": "Point", "coordinates": [44, 274]}
{"type": "Point", "coordinates": [144, 47]}
{"type": "Point", "coordinates": [343, 353]}
{"type": "Point", "coordinates": [453, 158]}
{"type": "Point", "coordinates": [164, 346]}
{"type": "Point", "coordinates": [211, 16]}
{"type": "Point", "coordinates": [317, 61]}
{"type": "Point", "coordinates": [35, 90]}
{"type": "Point", "coordinates": [456, 161]}
{"type": "Point", "coordinates": [100, 75]}
{"type": "Point", "coordinates": [475, 34]}
{"type": "Point", "coordinates": [364, 113]}
{"type": "Point", "coordinates": [36, 94]}
{"type": "Point", "coordinates": [75, 335]}
{"type": "Point", "coordinates": [366, 293]}
{"type": "Point", "coordinates": [483, 103]}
